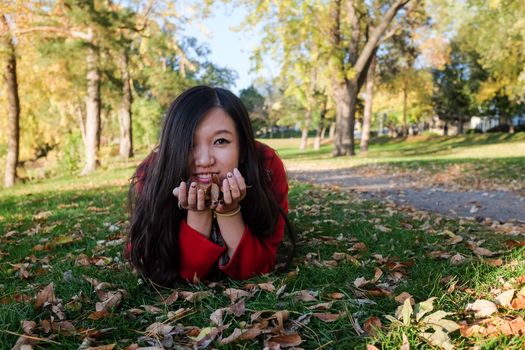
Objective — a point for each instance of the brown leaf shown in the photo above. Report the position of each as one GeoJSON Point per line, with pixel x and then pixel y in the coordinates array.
{"type": "Point", "coordinates": [152, 309]}
{"type": "Point", "coordinates": [244, 334]}
{"type": "Point", "coordinates": [518, 303]}
{"type": "Point", "coordinates": [511, 243]}
{"type": "Point", "coordinates": [46, 295]}
{"type": "Point", "coordinates": [269, 287]}
{"type": "Point", "coordinates": [505, 298]}
{"type": "Point", "coordinates": [401, 298]}
{"type": "Point", "coordinates": [108, 301]}
{"type": "Point", "coordinates": [235, 294]}
{"type": "Point", "coordinates": [193, 297]}
{"type": "Point", "coordinates": [172, 298]}
{"type": "Point", "coordinates": [494, 262]}
{"type": "Point", "coordinates": [336, 296]}
{"type": "Point", "coordinates": [28, 326]}
{"type": "Point", "coordinates": [482, 308]}
{"type": "Point", "coordinates": [158, 329]}
{"type": "Point", "coordinates": [372, 325]}
{"type": "Point", "coordinates": [97, 315]}
{"type": "Point", "coordinates": [482, 251]}
{"type": "Point", "coordinates": [305, 295]}
{"type": "Point", "coordinates": [326, 317]}
{"type": "Point", "coordinates": [322, 306]}
{"type": "Point", "coordinates": [287, 340]}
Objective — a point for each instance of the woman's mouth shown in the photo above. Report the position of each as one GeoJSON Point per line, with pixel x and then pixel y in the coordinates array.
{"type": "Point", "coordinates": [204, 178]}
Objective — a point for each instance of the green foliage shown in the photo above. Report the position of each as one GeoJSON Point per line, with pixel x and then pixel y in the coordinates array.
{"type": "Point", "coordinates": [146, 122]}
{"type": "Point", "coordinates": [71, 154]}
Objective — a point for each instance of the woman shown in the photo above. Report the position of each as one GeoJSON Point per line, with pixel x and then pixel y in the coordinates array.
{"type": "Point", "coordinates": [175, 232]}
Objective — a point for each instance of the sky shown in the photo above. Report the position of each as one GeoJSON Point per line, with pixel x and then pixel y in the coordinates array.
{"type": "Point", "coordinates": [229, 48]}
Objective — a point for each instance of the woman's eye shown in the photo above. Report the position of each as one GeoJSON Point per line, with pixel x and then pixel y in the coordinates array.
{"type": "Point", "coordinates": [221, 141]}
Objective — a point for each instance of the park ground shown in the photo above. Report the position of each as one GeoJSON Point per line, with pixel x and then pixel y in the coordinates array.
{"type": "Point", "coordinates": [367, 273]}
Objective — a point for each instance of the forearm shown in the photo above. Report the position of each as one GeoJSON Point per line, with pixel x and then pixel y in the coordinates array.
{"type": "Point", "coordinates": [200, 221]}
{"type": "Point", "coordinates": [232, 228]}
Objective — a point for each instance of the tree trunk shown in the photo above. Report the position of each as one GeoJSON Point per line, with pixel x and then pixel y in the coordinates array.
{"type": "Point", "coordinates": [321, 128]}
{"type": "Point", "coordinates": [460, 124]}
{"type": "Point", "coordinates": [306, 128]}
{"type": "Point", "coordinates": [342, 142]}
{"type": "Point", "coordinates": [331, 132]}
{"type": "Point", "coordinates": [92, 143]}
{"type": "Point", "coordinates": [126, 139]}
{"type": "Point", "coordinates": [367, 116]}
{"type": "Point", "coordinates": [405, 121]}
{"type": "Point", "coordinates": [13, 111]}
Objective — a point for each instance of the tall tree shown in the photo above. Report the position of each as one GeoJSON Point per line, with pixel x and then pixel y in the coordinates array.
{"type": "Point", "coordinates": [456, 87]}
{"type": "Point", "coordinates": [11, 85]}
{"type": "Point", "coordinates": [354, 53]}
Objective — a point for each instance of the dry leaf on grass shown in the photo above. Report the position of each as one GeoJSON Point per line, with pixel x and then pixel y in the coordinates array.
{"type": "Point", "coordinates": [326, 317]}
{"type": "Point", "coordinates": [235, 294]}
{"type": "Point", "coordinates": [505, 298]}
{"type": "Point", "coordinates": [372, 325]}
{"type": "Point", "coordinates": [46, 295]}
{"type": "Point", "coordinates": [305, 295]}
{"type": "Point", "coordinates": [482, 308]}
{"type": "Point", "coordinates": [284, 340]}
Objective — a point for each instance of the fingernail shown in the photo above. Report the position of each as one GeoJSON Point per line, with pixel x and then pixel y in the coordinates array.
{"type": "Point", "coordinates": [193, 185]}
{"type": "Point", "coordinates": [236, 172]}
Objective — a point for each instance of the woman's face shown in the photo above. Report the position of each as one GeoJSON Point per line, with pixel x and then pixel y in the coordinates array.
{"type": "Point", "coordinates": [215, 147]}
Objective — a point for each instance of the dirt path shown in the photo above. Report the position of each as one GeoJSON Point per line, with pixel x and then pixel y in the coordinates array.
{"type": "Point", "coordinates": [502, 206]}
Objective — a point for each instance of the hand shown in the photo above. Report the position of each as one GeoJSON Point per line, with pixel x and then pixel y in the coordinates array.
{"type": "Point", "coordinates": [234, 190]}
{"type": "Point", "coordinates": [192, 199]}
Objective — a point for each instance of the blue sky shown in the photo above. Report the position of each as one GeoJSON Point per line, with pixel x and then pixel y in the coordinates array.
{"type": "Point", "coordinates": [228, 48]}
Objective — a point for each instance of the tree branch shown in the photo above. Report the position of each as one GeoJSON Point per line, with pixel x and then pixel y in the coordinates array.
{"type": "Point", "coordinates": [375, 36]}
{"type": "Point", "coordinates": [65, 32]}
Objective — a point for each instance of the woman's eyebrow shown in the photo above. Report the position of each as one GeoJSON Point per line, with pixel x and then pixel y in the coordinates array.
{"type": "Point", "coordinates": [223, 131]}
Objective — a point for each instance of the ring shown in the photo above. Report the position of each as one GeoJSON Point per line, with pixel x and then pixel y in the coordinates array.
{"type": "Point", "coordinates": [180, 206]}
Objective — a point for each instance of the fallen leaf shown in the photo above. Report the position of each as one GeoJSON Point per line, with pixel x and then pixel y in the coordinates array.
{"type": "Point", "coordinates": [403, 296]}
{"type": "Point", "coordinates": [322, 306]}
{"type": "Point", "coordinates": [287, 340]}
{"type": "Point", "coordinates": [482, 251]}
{"type": "Point", "coordinates": [193, 297]}
{"type": "Point", "coordinates": [235, 294]}
{"type": "Point", "coordinates": [109, 300]}
{"type": "Point", "coordinates": [406, 344]}
{"type": "Point", "coordinates": [372, 325]}
{"type": "Point", "coordinates": [46, 295]}
{"type": "Point", "coordinates": [438, 338]}
{"type": "Point", "coordinates": [482, 308]}
{"type": "Point", "coordinates": [326, 317]}
{"type": "Point", "coordinates": [505, 298]}
{"type": "Point", "coordinates": [494, 262]}
{"type": "Point", "coordinates": [102, 347]}
{"type": "Point", "coordinates": [28, 326]}
{"type": "Point", "coordinates": [518, 303]}
{"type": "Point", "coordinates": [336, 296]}
{"type": "Point", "coordinates": [305, 295]}
{"type": "Point", "coordinates": [97, 315]}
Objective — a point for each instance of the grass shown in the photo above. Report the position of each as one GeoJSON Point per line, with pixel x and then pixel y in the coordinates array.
{"type": "Point", "coordinates": [498, 160]}
{"type": "Point", "coordinates": [46, 227]}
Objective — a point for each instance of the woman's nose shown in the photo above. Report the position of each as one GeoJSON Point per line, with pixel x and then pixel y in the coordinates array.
{"type": "Point", "coordinates": [203, 156]}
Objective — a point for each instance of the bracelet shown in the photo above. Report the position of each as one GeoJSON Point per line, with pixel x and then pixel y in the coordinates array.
{"type": "Point", "coordinates": [227, 214]}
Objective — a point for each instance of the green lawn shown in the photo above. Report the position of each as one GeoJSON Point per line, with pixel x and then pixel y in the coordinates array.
{"type": "Point", "coordinates": [354, 260]}
{"type": "Point", "coordinates": [497, 158]}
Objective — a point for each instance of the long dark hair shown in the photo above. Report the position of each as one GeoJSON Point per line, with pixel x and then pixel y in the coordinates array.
{"type": "Point", "coordinates": [155, 215]}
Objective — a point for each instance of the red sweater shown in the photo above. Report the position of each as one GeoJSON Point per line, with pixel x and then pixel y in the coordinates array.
{"type": "Point", "coordinates": [253, 256]}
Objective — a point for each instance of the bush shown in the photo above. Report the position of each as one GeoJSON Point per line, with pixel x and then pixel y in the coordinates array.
{"type": "Point", "coordinates": [71, 153]}
{"type": "Point", "coordinates": [499, 128]}
{"type": "Point", "coordinates": [519, 128]}
{"type": "Point", "coordinates": [474, 131]}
